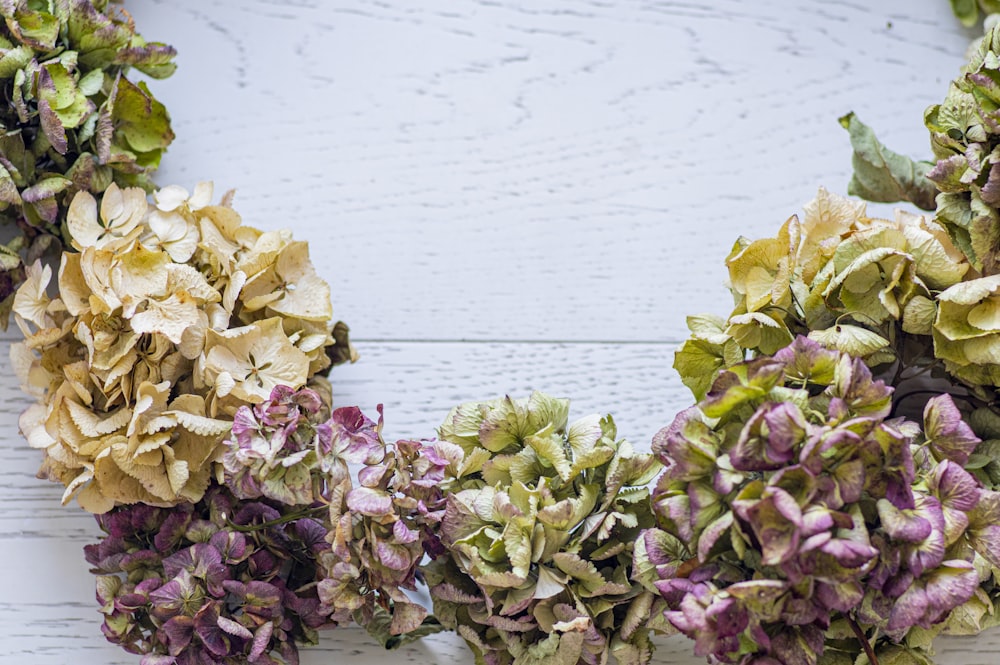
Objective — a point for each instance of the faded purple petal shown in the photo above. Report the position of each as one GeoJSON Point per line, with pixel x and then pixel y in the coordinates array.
{"type": "Point", "coordinates": [355, 437]}
{"type": "Point", "coordinates": [212, 637]}
{"type": "Point", "coordinates": [949, 435]}
{"type": "Point", "coordinates": [369, 501]}
{"type": "Point", "coordinates": [712, 533]}
{"type": "Point", "coordinates": [950, 585]}
{"type": "Point", "coordinates": [799, 645]}
{"type": "Point", "coordinates": [687, 447]}
{"type": "Point", "coordinates": [954, 486]}
{"type": "Point", "coordinates": [261, 639]}
{"type": "Point", "coordinates": [906, 525]}
{"type": "Point", "coordinates": [776, 520]}
{"type": "Point", "coordinates": [404, 534]}
{"type": "Point", "coordinates": [176, 634]}
{"type": "Point", "coordinates": [908, 610]}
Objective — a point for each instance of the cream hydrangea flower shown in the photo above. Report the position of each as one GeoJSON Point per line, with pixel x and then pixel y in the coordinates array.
{"type": "Point", "coordinates": [174, 220]}
{"type": "Point", "coordinates": [155, 341]}
{"type": "Point", "coordinates": [246, 363]}
{"type": "Point", "coordinates": [122, 210]}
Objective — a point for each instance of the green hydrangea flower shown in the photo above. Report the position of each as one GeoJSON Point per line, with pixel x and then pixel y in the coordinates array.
{"type": "Point", "coordinates": [540, 522]}
{"type": "Point", "coordinates": [964, 135]}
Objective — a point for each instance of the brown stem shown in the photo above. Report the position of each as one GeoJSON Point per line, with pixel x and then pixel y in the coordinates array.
{"type": "Point", "coordinates": [865, 644]}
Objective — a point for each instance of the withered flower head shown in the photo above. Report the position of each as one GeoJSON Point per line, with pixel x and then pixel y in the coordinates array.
{"type": "Point", "coordinates": [153, 344]}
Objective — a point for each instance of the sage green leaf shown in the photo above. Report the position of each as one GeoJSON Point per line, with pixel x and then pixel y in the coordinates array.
{"type": "Point", "coordinates": [967, 11]}
{"type": "Point", "coordinates": [14, 59]}
{"type": "Point", "coordinates": [37, 29]}
{"type": "Point", "coordinates": [549, 449]}
{"type": "Point", "coordinates": [884, 176]}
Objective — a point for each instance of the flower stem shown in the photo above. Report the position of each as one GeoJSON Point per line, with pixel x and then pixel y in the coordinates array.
{"type": "Point", "coordinates": [865, 644]}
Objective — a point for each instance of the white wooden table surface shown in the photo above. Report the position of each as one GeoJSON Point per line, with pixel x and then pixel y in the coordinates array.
{"type": "Point", "coordinates": [505, 195]}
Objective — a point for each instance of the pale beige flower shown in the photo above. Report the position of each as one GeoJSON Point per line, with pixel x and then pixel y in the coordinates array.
{"type": "Point", "coordinates": [246, 363]}
{"type": "Point", "coordinates": [31, 302]}
{"type": "Point", "coordinates": [290, 287]}
{"type": "Point", "coordinates": [174, 220]}
{"type": "Point", "coordinates": [138, 367]}
{"type": "Point", "coordinates": [122, 211]}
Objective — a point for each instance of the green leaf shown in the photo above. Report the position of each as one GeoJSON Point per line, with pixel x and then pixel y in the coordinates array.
{"type": "Point", "coordinates": [39, 29]}
{"type": "Point", "coordinates": [966, 11]}
{"type": "Point", "coordinates": [13, 60]}
{"type": "Point", "coordinates": [883, 176]}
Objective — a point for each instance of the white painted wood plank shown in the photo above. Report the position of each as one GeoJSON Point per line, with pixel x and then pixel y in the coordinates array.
{"type": "Point", "coordinates": [557, 170]}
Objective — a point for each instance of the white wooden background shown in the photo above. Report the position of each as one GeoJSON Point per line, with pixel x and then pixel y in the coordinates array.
{"type": "Point", "coordinates": [505, 195]}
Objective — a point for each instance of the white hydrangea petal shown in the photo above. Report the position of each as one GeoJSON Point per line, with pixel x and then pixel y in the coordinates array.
{"type": "Point", "coordinates": [202, 195]}
{"type": "Point", "coordinates": [170, 198]}
{"type": "Point", "coordinates": [81, 220]}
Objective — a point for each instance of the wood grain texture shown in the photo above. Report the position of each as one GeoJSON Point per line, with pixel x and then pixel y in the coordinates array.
{"type": "Point", "coordinates": [506, 196]}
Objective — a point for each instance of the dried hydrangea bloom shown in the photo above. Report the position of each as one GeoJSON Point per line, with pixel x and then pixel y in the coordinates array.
{"type": "Point", "coordinates": [71, 119]}
{"type": "Point", "coordinates": [967, 330]}
{"type": "Point", "coordinates": [289, 448]}
{"type": "Point", "coordinates": [539, 525]}
{"type": "Point", "coordinates": [964, 134]}
{"type": "Point", "coordinates": [848, 281]}
{"type": "Point", "coordinates": [380, 530]}
{"type": "Point", "coordinates": [212, 582]}
{"type": "Point", "coordinates": [793, 508]}
{"type": "Point", "coordinates": [142, 361]}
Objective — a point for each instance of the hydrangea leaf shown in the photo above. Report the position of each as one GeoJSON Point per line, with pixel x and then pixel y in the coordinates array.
{"type": "Point", "coordinates": [884, 176]}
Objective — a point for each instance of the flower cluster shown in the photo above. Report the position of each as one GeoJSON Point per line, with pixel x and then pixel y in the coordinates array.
{"type": "Point", "coordinates": [381, 531]}
{"type": "Point", "coordinates": [793, 508]}
{"type": "Point", "coordinates": [282, 448]}
{"type": "Point", "coordinates": [963, 134]}
{"type": "Point", "coordinates": [220, 581]}
{"type": "Point", "coordinates": [291, 449]}
{"type": "Point", "coordinates": [169, 319]}
{"type": "Point", "coordinates": [848, 281]}
{"type": "Point", "coordinates": [539, 525]}
{"type": "Point", "coordinates": [71, 119]}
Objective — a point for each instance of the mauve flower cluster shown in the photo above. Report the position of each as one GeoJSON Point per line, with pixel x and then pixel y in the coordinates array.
{"type": "Point", "coordinates": [291, 449]}
{"type": "Point", "coordinates": [220, 581]}
{"type": "Point", "coordinates": [380, 532]}
{"type": "Point", "coordinates": [797, 517]}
